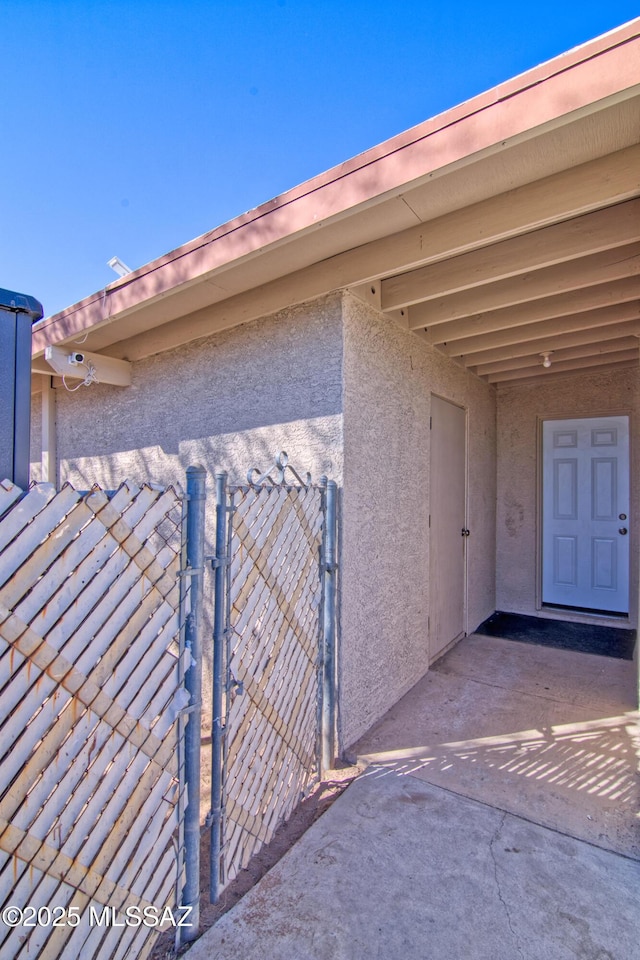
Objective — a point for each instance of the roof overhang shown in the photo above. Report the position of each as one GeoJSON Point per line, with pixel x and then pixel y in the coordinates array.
{"type": "Point", "coordinates": [501, 229]}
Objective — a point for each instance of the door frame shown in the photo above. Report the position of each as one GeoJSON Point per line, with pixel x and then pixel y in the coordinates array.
{"type": "Point", "coordinates": [465, 573]}
{"type": "Point", "coordinates": [556, 613]}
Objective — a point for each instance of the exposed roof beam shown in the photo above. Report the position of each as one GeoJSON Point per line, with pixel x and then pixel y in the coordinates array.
{"type": "Point", "coordinates": [605, 267]}
{"type": "Point", "coordinates": [79, 364]}
{"type": "Point", "coordinates": [556, 325]}
{"type": "Point", "coordinates": [40, 367]}
{"type": "Point", "coordinates": [533, 359]}
{"type": "Point", "coordinates": [539, 378]}
{"type": "Point", "coordinates": [568, 365]}
{"type": "Point", "coordinates": [570, 193]}
{"type": "Point", "coordinates": [544, 247]}
{"type": "Point", "coordinates": [554, 341]}
{"type": "Point", "coordinates": [604, 295]}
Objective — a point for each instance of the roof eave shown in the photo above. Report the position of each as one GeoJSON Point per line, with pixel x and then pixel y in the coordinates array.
{"type": "Point", "coordinates": [580, 80]}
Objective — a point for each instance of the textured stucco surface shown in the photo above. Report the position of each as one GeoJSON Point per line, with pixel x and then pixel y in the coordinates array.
{"type": "Point", "coordinates": [35, 456]}
{"type": "Point", "coordinates": [519, 410]}
{"type": "Point", "coordinates": [389, 376]}
{"type": "Point", "coordinates": [229, 401]}
{"type": "Point", "coordinates": [345, 392]}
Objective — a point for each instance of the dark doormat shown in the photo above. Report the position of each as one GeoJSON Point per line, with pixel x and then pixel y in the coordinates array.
{"type": "Point", "coordinates": [581, 637]}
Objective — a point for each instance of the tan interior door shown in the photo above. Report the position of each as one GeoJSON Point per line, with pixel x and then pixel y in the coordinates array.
{"type": "Point", "coordinates": [447, 579]}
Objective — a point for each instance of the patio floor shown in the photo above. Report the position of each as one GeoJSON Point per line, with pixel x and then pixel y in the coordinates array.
{"type": "Point", "coordinates": [548, 734]}
{"type": "Point", "coordinates": [498, 819]}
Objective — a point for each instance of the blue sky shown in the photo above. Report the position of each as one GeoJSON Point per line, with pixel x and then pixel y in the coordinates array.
{"type": "Point", "coordinates": [132, 127]}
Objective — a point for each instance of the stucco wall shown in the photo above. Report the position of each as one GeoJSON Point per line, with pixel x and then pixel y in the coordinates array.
{"type": "Point", "coordinates": [35, 456]}
{"type": "Point", "coordinates": [519, 409]}
{"type": "Point", "coordinates": [229, 401]}
{"type": "Point", "coordinates": [389, 375]}
{"type": "Point", "coordinates": [346, 393]}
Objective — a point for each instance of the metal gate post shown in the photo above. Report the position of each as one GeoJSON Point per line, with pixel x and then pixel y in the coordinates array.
{"type": "Point", "coordinates": [193, 682]}
{"type": "Point", "coordinates": [329, 626]}
{"type": "Point", "coordinates": [219, 632]}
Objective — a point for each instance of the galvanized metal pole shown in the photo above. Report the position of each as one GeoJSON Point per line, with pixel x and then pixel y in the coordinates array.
{"type": "Point", "coordinates": [196, 495]}
{"type": "Point", "coordinates": [219, 625]}
{"type": "Point", "coordinates": [329, 627]}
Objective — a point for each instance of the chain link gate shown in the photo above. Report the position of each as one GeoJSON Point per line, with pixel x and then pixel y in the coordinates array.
{"type": "Point", "coordinates": [273, 696]}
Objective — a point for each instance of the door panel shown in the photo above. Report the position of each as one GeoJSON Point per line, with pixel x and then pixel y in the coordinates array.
{"type": "Point", "coordinates": [585, 507]}
{"type": "Point", "coordinates": [447, 579]}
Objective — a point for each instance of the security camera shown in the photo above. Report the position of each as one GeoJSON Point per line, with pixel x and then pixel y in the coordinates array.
{"type": "Point", "coordinates": [76, 358]}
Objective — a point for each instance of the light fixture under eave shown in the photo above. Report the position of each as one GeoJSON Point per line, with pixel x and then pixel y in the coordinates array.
{"type": "Point", "coordinates": [118, 266]}
{"type": "Point", "coordinates": [546, 359]}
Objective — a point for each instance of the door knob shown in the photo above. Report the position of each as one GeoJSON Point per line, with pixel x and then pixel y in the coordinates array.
{"type": "Point", "coordinates": [623, 531]}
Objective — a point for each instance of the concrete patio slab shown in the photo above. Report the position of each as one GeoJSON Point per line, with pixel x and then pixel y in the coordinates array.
{"type": "Point", "coordinates": [398, 869]}
{"type": "Point", "coordinates": [550, 735]}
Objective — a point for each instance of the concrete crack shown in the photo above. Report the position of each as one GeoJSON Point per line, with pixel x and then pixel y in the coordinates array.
{"type": "Point", "coordinates": [498, 888]}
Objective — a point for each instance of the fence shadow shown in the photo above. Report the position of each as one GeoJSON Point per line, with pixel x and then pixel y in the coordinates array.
{"type": "Point", "coordinates": [578, 777]}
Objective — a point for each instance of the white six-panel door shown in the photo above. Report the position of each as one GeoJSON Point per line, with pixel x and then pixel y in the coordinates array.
{"type": "Point", "coordinates": [585, 509]}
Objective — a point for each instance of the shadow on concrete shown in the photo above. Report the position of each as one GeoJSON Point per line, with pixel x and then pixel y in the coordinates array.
{"type": "Point", "coordinates": [596, 758]}
{"type": "Point", "coordinates": [540, 735]}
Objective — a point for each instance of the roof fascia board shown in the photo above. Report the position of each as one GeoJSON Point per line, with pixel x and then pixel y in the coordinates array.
{"type": "Point", "coordinates": [559, 197]}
